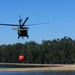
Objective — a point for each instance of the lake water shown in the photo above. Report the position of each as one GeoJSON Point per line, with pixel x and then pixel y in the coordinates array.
{"type": "Point", "coordinates": [33, 73]}
{"type": "Point", "coordinates": [37, 73]}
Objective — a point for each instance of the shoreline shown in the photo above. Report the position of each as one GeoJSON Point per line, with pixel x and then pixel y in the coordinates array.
{"type": "Point", "coordinates": [46, 67]}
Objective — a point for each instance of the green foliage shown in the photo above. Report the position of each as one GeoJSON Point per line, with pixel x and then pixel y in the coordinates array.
{"type": "Point", "coordinates": [57, 51]}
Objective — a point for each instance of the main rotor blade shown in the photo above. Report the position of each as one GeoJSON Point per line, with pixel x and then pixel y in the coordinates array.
{"type": "Point", "coordinates": [19, 29]}
{"type": "Point", "coordinates": [25, 21]}
{"type": "Point", "coordinates": [37, 24]}
{"type": "Point", "coordinates": [9, 24]}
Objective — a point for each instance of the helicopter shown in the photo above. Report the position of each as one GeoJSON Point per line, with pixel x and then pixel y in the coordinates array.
{"type": "Point", "coordinates": [22, 30]}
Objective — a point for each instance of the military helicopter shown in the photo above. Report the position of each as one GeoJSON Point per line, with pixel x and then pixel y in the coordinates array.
{"type": "Point", "coordinates": [22, 29]}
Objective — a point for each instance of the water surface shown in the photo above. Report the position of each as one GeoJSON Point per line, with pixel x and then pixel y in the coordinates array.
{"type": "Point", "coordinates": [38, 73]}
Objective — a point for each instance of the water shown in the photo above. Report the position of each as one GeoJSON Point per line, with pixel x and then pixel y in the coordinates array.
{"type": "Point", "coordinates": [33, 73]}
{"type": "Point", "coordinates": [14, 66]}
{"type": "Point", "coordinates": [38, 73]}
{"type": "Point", "coordinates": [18, 66]}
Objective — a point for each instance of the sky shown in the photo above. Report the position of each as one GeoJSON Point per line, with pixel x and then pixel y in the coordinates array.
{"type": "Point", "coordinates": [59, 13]}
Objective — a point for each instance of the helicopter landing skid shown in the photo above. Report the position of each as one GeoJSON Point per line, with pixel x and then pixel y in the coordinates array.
{"type": "Point", "coordinates": [22, 37]}
{"type": "Point", "coordinates": [19, 37]}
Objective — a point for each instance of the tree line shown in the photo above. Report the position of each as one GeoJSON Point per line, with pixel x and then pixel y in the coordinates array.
{"type": "Point", "coordinates": [56, 51]}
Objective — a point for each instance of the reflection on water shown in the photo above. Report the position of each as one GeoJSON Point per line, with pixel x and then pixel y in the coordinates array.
{"type": "Point", "coordinates": [12, 66]}
{"type": "Point", "coordinates": [38, 73]}
{"type": "Point", "coordinates": [19, 66]}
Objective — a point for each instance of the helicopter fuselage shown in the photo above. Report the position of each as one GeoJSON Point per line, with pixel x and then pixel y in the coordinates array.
{"type": "Point", "coordinates": [23, 32]}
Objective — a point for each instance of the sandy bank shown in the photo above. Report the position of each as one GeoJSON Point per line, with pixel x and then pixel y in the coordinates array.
{"type": "Point", "coordinates": [48, 67]}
